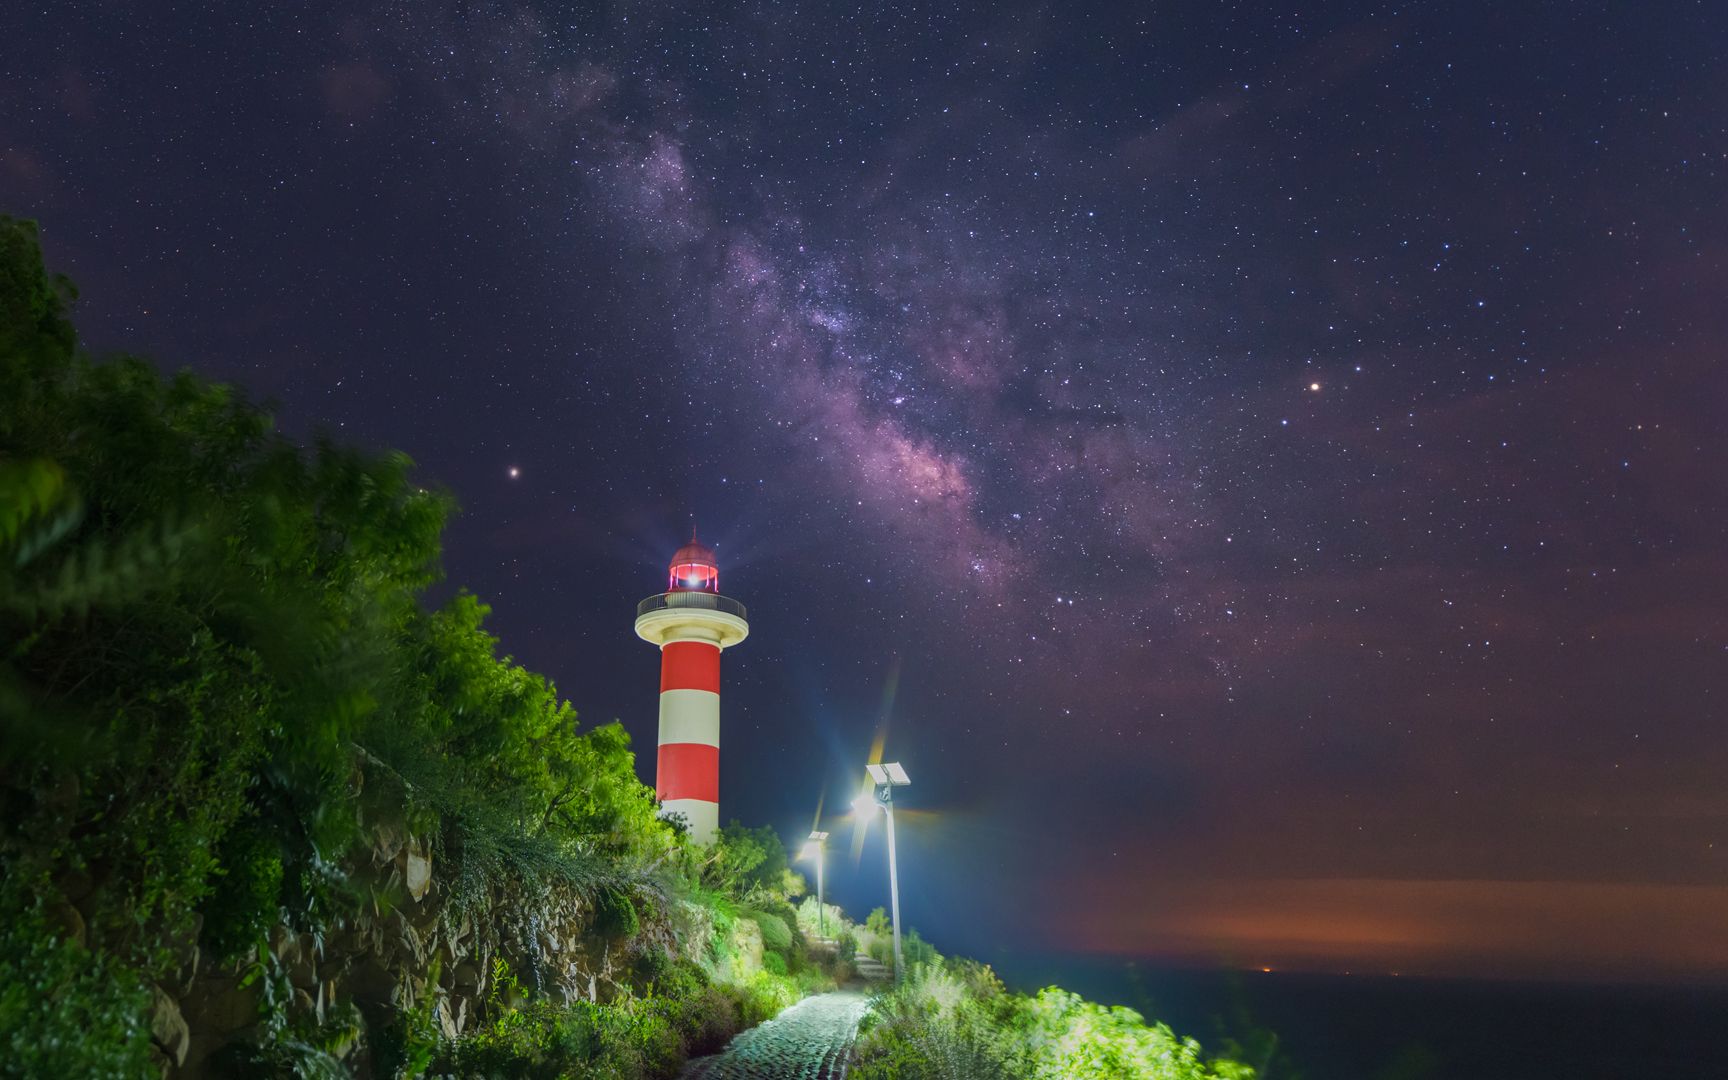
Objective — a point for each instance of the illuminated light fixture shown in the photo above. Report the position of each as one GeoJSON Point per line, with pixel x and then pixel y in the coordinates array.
{"type": "Point", "coordinates": [886, 777]}
{"type": "Point", "coordinates": [813, 849]}
{"type": "Point", "coordinates": [892, 774]}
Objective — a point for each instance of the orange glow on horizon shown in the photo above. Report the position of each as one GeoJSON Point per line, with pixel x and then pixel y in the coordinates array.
{"type": "Point", "coordinates": [1435, 928]}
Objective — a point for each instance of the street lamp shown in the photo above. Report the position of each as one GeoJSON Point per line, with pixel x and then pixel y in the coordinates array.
{"type": "Point", "coordinates": [814, 849]}
{"type": "Point", "coordinates": [886, 778]}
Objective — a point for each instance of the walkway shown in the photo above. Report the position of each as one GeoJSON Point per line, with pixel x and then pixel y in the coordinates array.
{"type": "Point", "coordinates": [811, 1040]}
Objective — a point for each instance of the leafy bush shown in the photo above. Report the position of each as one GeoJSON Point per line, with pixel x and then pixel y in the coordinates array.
{"type": "Point", "coordinates": [763, 995]}
{"type": "Point", "coordinates": [749, 863]}
{"type": "Point", "coordinates": [246, 894]}
{"type": "Point", "coordinates": [955, 1019]}
{"type": "Point", "coordinates": [65, 1010]}
{"type": "Point", "coordinates": [615, 915]}
{"type": "Point", "coordinates": [810, 918]}
{"type": "Point", "coordinates": [776, 934]}
{"type": "Point", "coordinates": [625, 1039]}
{"type": "Point", "coordinates": [220, 653]}
{"type": "Point", "coordinates": [917, 951]}
{"type": "Point", "coordinates": [1072, 1037]}
{"type": "Point", "coordinates": [212, 633]}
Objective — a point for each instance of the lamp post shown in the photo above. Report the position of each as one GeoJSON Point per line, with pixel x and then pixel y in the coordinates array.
{"type": "Point", "coordinates": [815, 848]}
{"type": "Point", "coordinates": [886, 778]}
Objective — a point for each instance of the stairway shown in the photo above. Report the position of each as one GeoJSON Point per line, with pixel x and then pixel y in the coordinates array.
{"type": "Point", "coordinates": [871, 970]}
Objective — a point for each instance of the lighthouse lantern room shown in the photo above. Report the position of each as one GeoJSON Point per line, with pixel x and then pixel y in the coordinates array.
{"type": "Point", "coordinates": [691, 623]}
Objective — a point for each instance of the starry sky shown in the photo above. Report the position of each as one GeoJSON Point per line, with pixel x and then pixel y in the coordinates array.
{"type": "Point", "coordinates": [1261, 470]}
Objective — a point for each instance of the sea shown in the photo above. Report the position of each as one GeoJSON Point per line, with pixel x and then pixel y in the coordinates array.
{"type": "Point", "coordinates": [1382, 1027]}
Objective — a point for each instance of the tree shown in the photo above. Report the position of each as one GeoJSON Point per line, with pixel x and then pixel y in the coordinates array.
{"type": "Point", "coordinates": [747, 862]}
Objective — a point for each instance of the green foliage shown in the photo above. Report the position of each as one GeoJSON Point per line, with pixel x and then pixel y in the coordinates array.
{"type": "Point", "coordinates": [917, 951]}
{"type": "Point", "coordinates": [408, 1043]}
{"type": "Point", "coordinates": [681, 1012]}
{"type": "Point", "coordinates": [246, 895]}
{"type": "Point", "coordinates": [846, 946]}
{"type": "Point", "coordinates": [763, 995]}
{"type": "Point", "coordinates": [776, 933]}
{"type": "Point", "coordinates": [939, 1025]}
{"type": "Point", "coordinates": [35, 332]}
{"type": "Point", "coordinates": [877, 922]}
{"type": "Point", "coordinates": [622, 1040]}
{"type": "Point", "coordinates": [615, 915]}
{"type": "Point", "coordinates": [810, 917]}
{"type": "Point", "coordinates": [749, 863]}
{"type": "Point", "coordinates": [955, 1019]}
{"type": "Point", "coordinates": [211, 639]}
{"type": "Point", "coordinates": [217, 658]}
{"type": "Point", "coordinates": [65, 1010]}
{"type": "Point", "coordinates": [1072, 1037]}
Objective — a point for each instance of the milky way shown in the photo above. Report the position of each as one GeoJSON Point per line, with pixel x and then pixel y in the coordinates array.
{"type": "Point", "coordinates": [1221, 450]}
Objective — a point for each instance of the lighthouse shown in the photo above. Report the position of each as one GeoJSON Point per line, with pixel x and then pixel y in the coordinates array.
{"type": "Point", "coordinates": [691, 623]}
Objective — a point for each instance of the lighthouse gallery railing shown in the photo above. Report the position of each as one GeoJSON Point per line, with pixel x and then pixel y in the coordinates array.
{"type": "Point", "coordinates": [711, 601]}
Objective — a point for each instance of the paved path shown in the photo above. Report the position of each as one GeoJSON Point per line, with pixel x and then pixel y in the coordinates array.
{"type": "Point", "coordinates": [808, 1041]}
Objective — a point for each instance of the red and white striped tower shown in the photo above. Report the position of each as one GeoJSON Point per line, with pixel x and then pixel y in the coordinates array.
{"type": "Point", "coordinates": [691, 622]}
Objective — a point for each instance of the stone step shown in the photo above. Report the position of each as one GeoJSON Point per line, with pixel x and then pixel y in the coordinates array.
{"type": "Point", "coordinates": [872, 970]}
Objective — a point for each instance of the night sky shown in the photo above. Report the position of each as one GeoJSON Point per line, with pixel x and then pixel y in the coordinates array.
{"type": "Point", "coordinates": [1263, 471]}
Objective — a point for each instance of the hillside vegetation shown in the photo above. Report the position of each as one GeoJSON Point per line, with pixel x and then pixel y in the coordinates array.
{"type": "Point", "coordinates": [265, 812]}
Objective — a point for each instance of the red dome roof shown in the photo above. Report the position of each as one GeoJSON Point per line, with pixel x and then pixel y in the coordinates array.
{"type": "Point", "coordinates": [693, 569]}
{"type": "Point", "coordinates": [694, 553]}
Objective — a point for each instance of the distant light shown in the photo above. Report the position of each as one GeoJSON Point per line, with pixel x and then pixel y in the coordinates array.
{"type": "Point", "coordinates": [1314, 386]}
{"type": "Point", "coordinates": [515, 472]}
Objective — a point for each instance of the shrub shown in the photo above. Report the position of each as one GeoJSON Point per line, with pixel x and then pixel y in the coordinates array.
{"type": "Point", "coordinates": [247, 892]}
{"type": "Point", "coordinates": [917, 951]}
{"type": "Point", "coordinates": [64, 1010]}
{"type": "Point", "coordinates": [810, 919]}
{"type": "Point", "coordinates": [615, 915]}
{"type": "Point", "coordinates": [954, 1019]}
{"type": "Point", "coordinates": [624, 1039]}
{"type": "Point", "coordinates": [776, 935]}
{"type": "Point", "coordinates": [927, 1029]}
